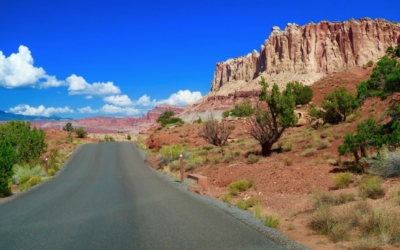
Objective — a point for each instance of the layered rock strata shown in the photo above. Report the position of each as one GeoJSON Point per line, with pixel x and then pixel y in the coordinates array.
{"type": "Point", "coordinates": [313, 49]}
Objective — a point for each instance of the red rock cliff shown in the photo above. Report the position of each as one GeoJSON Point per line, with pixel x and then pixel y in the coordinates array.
{"type": "Point", "coordinates": [325, 47]}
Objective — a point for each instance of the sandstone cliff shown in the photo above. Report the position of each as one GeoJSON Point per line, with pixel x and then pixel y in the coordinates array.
{"type": "Point", "coordinates": [307, 53]}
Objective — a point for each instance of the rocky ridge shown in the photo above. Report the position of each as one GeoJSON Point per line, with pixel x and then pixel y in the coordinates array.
{"type": "Point", "coordinates": [311, 51]}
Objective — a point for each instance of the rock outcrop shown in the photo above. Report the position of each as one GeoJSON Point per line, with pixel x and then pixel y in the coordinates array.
{"type": "Point", "coordinates": [317, 49]}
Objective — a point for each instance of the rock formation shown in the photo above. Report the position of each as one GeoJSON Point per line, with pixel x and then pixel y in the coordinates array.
{"type": "Point", "coordinates": [314, 49]}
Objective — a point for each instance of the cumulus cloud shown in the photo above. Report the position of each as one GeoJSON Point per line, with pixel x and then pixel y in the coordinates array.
{"type": "Point", "coordinates": [41, 110]}
{"type": "Point", "coordinates": [79, 86]}
{"type": "Point", "coordinates": [145, 101]}
{"type": "Point", "coordinates": [118, 100]}
{"type": "Point", "coordinates": [17, 70]}
{"type": "Point", "coordinates": [182, 97]}
{"type": "Point", "coordinates": [87, 110]}
{"type": "Point", "coordinates": [88, 97]}
{"type": "Point", "coordinates": [111, 109]}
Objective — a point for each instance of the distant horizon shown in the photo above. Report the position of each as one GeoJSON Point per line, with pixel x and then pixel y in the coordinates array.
{"type": "Point", "coordinates": [119, 58]}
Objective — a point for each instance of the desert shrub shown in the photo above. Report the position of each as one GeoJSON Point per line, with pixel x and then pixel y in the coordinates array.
{"type": "Point", "coordinates": [383, 223]}
{"type": "Point", "coordinates": [240, 186]}
{"type": "Point", "coordinates": [370, 63]}
{"type": "Point", "coordinates": [81, 132]}
{"type": "Point", "coordinates": [229, 158]}
{"type": "Point", "coordinates": [322, 220]}
{"type": "Point", "coordinates": [385, 165]}
{"type": "Point", "coordinates": [226, 198]}
{"type": "Point", "coordinates": [366, 243]}
{"type": "Point", "coordinates": [287, 145]}
{"type": "Point", "coordinates": [340, 231]}
{"type": "Point", "coordinates": [128, 137]}
{"type": "Point", "coordinates": [194, 162]}
{"type": "Point", "coordinates": [216, 133]}
{"type": "Point", "coordinates": [302, 93]}
{"type": "Point", "coordinates": [246, 204]}
{"type": "Point", "coordinates": [322, 144]}
{"type": "Point", "coordinates": [371, 187]}
{"type": "Point", "coordinates": [354, 116]}
{"type": "Point", "coordinates": [252, 158]}
{"type": "Point", "coordinates": [257, 212]}
{"type": "Point", "coordinates": [68, 127]}
{"type": "Point", "coordinates": [169, 153]}
{"type": "Point", "coordinates": [108, 138]}
{"type": "Point", "coordinates": [308, 152]}
{"type": "Point", "coordinates": [288, 161]}
{"type": "Point", "coordinates": [33, 180]}
{"type": "Point", "coordinates": [244, 109]}
{"type": "Point", "coordinates": [52, 172]}
{"type": "Point", "coordinates": [343, 180]}
{"type": "Point", "coordinates": [215, 160]}
{"type": "Point", "coordinates": [271, 221]}
{"type": "Point", "coordinates": [333, 162]}
{"type": "Point", "coordinates": [22, 173]}
{"type": "Point", "coordinates": [167, 118]}
{"type": "Point", "coordinates": [323, 198]}
{"type": "Point", "coordinates": [199, 121]}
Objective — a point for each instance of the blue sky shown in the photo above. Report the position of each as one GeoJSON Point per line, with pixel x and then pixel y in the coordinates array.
{"type": "Point", "coordinates": [120, 58]}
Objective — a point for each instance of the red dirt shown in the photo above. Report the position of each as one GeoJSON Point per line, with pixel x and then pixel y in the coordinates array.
{"type": "Point", "coordinates": [283, 190]}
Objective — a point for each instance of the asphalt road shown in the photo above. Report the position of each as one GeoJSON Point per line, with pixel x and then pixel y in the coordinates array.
{"type": "Point", "coordinates": [107, 198]}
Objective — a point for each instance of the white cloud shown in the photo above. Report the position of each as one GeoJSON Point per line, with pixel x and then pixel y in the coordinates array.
{"type": "Point", "coordinates": [118, 100]}
{"type": "Point", "coordinates": [41, 110]}
{"type": "Point", "coordinates": [78, 86]}
{"type": "Point", "coordinates": [111, 109]}
{"type": "Point", "coordinates": [182, 97]}
{"type": "Point", "coordinates": [17, 70]}
{"type": "Point", "coordinates": [87, 110]}
{"type": "Point", "coordinates": [88, 97]}
{"type": "Point", "coordinates": [145, 101]}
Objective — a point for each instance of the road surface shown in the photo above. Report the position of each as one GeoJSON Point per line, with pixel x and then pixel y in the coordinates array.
{"type": "Point", "coordinates": [107, 198]}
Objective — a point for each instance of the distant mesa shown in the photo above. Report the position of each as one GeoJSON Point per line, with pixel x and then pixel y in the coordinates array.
{"type": "Point", "coordinates": [5, 116]}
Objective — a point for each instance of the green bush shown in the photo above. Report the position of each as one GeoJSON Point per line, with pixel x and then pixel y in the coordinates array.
{"type": "Point", "coordinates": [244, 109]}
{"type": "Point", "coordinates": [81, 132]}
{"type": "Point", "coordinates": [128, 137]}
{"type": "Point", "coordinates": [34, 180]}
{"type": "Point", "coordinates": [52, 172]}
{"type": "Point", "coordinates": [108, 138]}
{"type": "Point", "coordinates": [302, 93]}
{"type": "Point", "coordinates": [240, 186]}
{"type": "Point", "coordinates": [226, 198]}
{"type": "Point", "coordinates": [371, 187]}
{"type": "Point", "coordinates": [271, 221]}
{"type": "Point", "coordinates": [343, 180]}
{"type": "Point", "coordinates": [167, 118]}
{"type": "Point", "coordinates": [338, 104]}
{"type": "Point", "coordinates": [246, 204]}
{"type": "Point", "coordinates": [169, 153]}
{"type": "Point", "coordinates": [68, 127]}
{"type": "Point", "coordinates": [22, 173]}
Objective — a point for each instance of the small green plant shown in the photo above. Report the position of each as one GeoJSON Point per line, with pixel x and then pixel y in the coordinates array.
{"type": "Point", "coordinates": [343, 180]}
{"type": "Point", "coordinates": [52, 172]}
{"type": "Point", "coordinates": [257, 211]}
{"type": "Point", "coordinates": [246, 204]}
{"type": "Point", "coordinates": [240, 186]}
{"type": "Point", "coordinates": [226, 198]}
{"type": "Point", "coordinates": [252, 158]}
{"type": "Point", "coordinates": [271, 221]}
{"type": "Point", "coordinates": [322, 144]}
{"type": "Point", "coordinates": [128, 137]}
{"type": "Point", "coordinates": [323, 198]}
{"type": "Point", "coordinates": [288, 161]}
{"type": "Point", "coordinates": [199, 121]}
{"type": "Point", "coordinates": [308, 152]}
{"type": "Point", "coordinates": [108, 138]}
{"type": "Point", "coordinates": [371, 187]}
